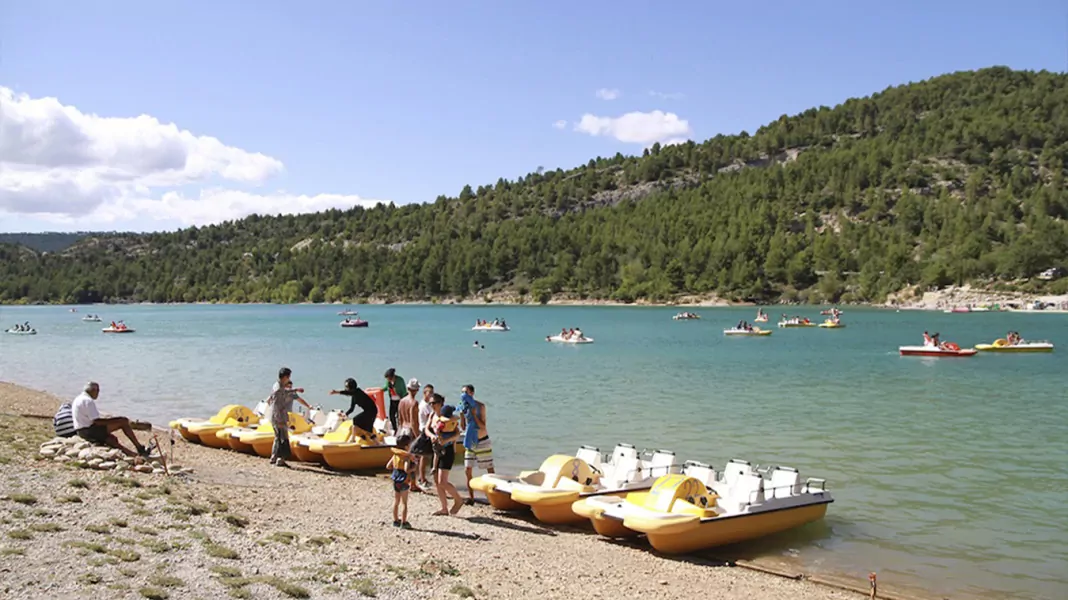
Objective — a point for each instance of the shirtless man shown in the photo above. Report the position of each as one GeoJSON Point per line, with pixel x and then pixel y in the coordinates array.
{"type": "Point", "coordinates": [408, 417]}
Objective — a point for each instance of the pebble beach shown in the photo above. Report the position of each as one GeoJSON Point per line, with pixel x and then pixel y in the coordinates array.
{"type": "Point", "coordinates": [230, 525]}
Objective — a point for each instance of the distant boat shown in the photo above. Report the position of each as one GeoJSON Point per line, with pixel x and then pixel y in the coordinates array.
{"type": "Point", "coordinates": [354, 323]}
{"type": "Point", "coordinates": [348, 313]}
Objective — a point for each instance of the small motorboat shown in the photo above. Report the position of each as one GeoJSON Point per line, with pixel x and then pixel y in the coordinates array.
{"type": "Point", "coordinates": [754, 332]}
{"type": "Point", "coordinates": [686, 316]}
{"type": "Point", "coordinates": [696, 510]}
{"type": "Point", "coordinates": [561, 480]}
{"type": "Point", "coordinates": [13, 331]}
{"type": "Point", "coordinates": [1003, 345]}
{"type": "Point", "coordinates": [829, 324]}
{"type": "Point", "coordinates": [348, 313]}
{"type": "Point", "coordinates": [796, 323]}
{"type": "Point", "coordinates": [947, 350]}
{"type": "Point", "coordinates": [491, 327]}
{"type": "Point", "coordinates": [91, 319]}
{"type": "Point", "coordinates": [578, 338]}
{"type": "Point", "coordinates": [231, 415]}
{"type": "Point", "coordinates": [353, 323]}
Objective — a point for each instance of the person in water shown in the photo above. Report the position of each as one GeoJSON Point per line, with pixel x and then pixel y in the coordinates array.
{"type": "Point", "coordinates": [401, 466]}
{"type": "Point", "coordinates": [394, 391]}
{"type": "Point", "coordinates": [368, 411]}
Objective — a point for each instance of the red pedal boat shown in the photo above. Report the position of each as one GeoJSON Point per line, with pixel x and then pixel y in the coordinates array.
{"type": "Point", "coordinates": [354, 323]}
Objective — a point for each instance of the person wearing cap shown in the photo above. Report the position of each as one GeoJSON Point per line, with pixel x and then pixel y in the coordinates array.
{"type": "Point", "coordinates": [90, 426]}
{"type": "Point", "coordinates": [408, 410]}
{"type": "Point", "coordinates": [394, 387]}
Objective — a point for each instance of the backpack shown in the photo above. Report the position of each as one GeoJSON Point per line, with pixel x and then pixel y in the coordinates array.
{"type": "Point", "coordinates": [63, 422]}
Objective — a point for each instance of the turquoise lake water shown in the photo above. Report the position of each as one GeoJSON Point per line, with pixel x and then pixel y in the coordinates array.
{"type": "Point", "coordinates": [950, 474]}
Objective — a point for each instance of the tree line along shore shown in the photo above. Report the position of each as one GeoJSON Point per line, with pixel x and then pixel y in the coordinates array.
{"type": "Point", "coordinates": [955, 180]}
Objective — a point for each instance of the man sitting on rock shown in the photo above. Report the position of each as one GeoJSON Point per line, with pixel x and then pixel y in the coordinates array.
{"type": "Point", "coordinates": [92, 427]}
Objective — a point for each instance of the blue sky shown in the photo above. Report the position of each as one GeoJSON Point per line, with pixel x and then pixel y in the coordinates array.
{"type": "Point", "coordinates": [404, 101]}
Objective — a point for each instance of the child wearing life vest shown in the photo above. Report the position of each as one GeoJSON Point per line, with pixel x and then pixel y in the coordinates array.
{"type": "Point", "coordinates": [401, 464]}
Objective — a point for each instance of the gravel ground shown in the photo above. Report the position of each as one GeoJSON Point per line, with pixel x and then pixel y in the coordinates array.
{"type": "Point", "coordinates": [237, 527]}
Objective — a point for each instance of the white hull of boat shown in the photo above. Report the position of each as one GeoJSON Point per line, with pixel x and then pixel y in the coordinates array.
{"type": "Point", "coordinates": [490, 328]}
{"type": "Point", "coordinates": [561, 340]}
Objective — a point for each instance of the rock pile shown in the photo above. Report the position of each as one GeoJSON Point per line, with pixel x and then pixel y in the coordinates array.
{"type": "Point", "coordinates": [80, 453]}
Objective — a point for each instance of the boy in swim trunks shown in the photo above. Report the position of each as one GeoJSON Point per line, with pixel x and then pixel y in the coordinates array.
{"type": "Point", "coordinates": [478, 450]}
{"type": "Point", "coordinates": [401, 465]}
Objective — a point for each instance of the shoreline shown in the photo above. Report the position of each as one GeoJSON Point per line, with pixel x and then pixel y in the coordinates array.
{"type": "Point", "coordinates": [486, 553]}
{"type": "Point", "coordinates": [908, 299]}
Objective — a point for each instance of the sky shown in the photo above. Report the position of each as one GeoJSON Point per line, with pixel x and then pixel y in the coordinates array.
{"type": "Point", "coordinates": [144, 116]}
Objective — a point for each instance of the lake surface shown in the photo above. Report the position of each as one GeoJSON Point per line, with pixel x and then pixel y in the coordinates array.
{"type": "Point", "coordinates": [950, 474]}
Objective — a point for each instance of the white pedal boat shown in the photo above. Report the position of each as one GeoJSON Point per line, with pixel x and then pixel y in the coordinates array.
{"type": "Point", "coordinates": [756, 331]}
{"type": "Point", "coordinates": [22, 331]}
{"type": "Point", "coordinates": [561, 480]}
{"type": "Point", "coordinates": [491, 328]}
{"type": "Point", "coordinates": [571, 340]}
{"type": "Point", "coordinates": [697, 509]}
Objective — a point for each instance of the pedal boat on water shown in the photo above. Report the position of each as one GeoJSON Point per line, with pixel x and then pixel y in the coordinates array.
{"type": "Point", "coordinates": [696, 510]}
{"type": "Point", "coordinates": [1003, 345]}
{"type": "Point", "coordinates": [946, 350]}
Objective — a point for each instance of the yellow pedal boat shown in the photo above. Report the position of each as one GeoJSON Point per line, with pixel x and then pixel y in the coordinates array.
{"type": "Point", "coordinates": [696, 510]}
{"type": "Point", "coordinates": [365, 452]}
{"type": "Point", "coordinates": [828, 324]}
{"type": "Point", "coordinates": [260, 439]}
{"type": "Point", "coordinates": [561, 480]}
{"type": "Point", "coordinates": [203, 431]}
{"type": "Point", "coordinates": [309, 447]}
{"type": "Point", "coordinates": [1003, 345]}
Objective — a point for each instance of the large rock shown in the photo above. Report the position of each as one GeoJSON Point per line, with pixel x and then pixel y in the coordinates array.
{"type": "Point", "coordinates": [72, 452]}
{"type": "Point", "coordinates": [96, 460]}
{"type": "Point", "coordinates": [85, 454]}
{"type": "Point", "coordinates": [48, 452]}
{"type": "Point", "coordinates": [107, 465]}
{"type": "Point", "coordinates": [62, 458]}
{"type": "Point", "coordinates": [142, 468]}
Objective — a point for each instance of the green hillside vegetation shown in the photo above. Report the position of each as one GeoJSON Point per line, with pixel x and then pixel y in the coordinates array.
{"type": "Point", "coordinates": [960, 178]}
{"type": "Point", "coordinates": [52, 241]}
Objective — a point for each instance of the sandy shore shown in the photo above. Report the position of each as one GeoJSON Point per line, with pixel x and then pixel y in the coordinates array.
{"type": "Point", "coordinates": [239, 527]}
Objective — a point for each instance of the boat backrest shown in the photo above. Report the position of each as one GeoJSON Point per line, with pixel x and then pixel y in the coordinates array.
{"type": "Point", "coordinates": [736, 468]}
{"type": "Point", "coordinates": [333, 419]}
{"type": "Point", "coordinates": [700, 471]}
{"type": "Point", "coordinates": [661, 463]}
{"type": "Point", "coordinates": [560, 468]}
{"type": "Point", "coordinates": [342, 433]}
{"type": "Point", "coordinates": [261, 408]}
{"type": "Point", "coordinates": [785, 482]}
{"type": "Point", "coordinates": [747, 489]}
{"type": "Point", "coordinates": [590, 454]}
{"type": "Point", "coordinates": [622, 451]}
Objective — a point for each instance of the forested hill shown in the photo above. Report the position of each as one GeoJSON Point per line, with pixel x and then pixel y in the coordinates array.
{"type": "Point", "coordinates": [956, 179]}
{"type": "Point", "coordinates": [43, 242]}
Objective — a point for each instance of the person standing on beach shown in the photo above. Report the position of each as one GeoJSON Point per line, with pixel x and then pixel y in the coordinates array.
{"type": "Point", "coordinates": [477, 447]}
{"type": "Point", "coordinates": [445, 433]}
{"type": "Point", "coordinates": [408, 410]}
{"type": "Point", "coordinates": [422, 449]}
{"type": "Point", "coordinates": [394, 385]}
{"type": "Point", "coordinates": [401, 465]}
{"type": "Point", "coordinates": [366, 419]}
{"type": "Point", "coordinates": [281, 402]}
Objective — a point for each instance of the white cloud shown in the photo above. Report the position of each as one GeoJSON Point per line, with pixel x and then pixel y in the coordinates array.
{"type": "Point", "coordinates": [667, 95]}
{"type": "Point", "coordinates": [608, 94]}
{"type": "Point", "coordinates": [637, 127]}
{"type": "Point", "coordinates": [561, 124]}
{"type": "Point", "coordinates": [58, 163]}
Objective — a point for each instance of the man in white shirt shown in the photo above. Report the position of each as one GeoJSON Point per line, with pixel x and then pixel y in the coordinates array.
{"type": "Point", "coordinates": [92, 427]}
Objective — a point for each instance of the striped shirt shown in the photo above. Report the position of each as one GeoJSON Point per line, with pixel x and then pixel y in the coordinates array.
{"type": "Point", "coordinates": [63, 422]}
